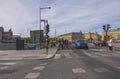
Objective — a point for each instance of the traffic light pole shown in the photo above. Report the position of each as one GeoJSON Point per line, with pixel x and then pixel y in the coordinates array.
{"type": "Point", "coordinates": [40, 40]}
{"type": "Point", "coordinates": [40, 27]}
{"type": "Point", "coordinates": [106, 37]}
{"type": "Point", "coordinates": [106, 28]}
{"type": "Point", "coordinates": [46, 34]}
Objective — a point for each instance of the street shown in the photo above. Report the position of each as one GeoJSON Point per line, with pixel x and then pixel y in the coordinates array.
{"type": "Point", "coordinates": [66, 64]}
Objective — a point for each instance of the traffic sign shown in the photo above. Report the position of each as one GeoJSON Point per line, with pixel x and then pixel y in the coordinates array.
{"type": "Point", "coordinates": [106, 37]}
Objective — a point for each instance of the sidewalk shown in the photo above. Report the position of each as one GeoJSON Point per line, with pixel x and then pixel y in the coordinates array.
{"type": "Point", "coordinates": [27, 54]}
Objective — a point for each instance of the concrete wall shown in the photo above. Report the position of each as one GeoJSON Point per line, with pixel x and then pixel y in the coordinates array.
{"type": "Point", "coordinates": [8, 46]}
{"type": "Point", "coordinates": [12, 46]}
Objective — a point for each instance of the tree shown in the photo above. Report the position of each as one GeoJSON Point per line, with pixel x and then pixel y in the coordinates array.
{"type": "Point", "coordinates": [27, 40]}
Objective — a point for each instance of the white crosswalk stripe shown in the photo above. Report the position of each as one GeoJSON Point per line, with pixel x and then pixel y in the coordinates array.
{"type": "Point", "coordinates": [118, 67]}
{"type": "Point", "coordinates": [78, 70]}
{"type": "Point", "coordinates": [3, 68]}
{"type": "Point", "coordinates": [39, 68]}
{"type": "Point", "coordinates": [57, 56]}
{"type": "Point", "coordinates": [67, 56]}
{"type": "Point", "coordinates": [91, 55]}
{"type": "Point", "coordinates": [97, 54]}
{"type": "Point", "coordinates": [32, 75]}
{"type": "Point", "coordinates": [101, 69]}
{"type": "Point", "coordinates": [43, 64]}
{"type": "Point", "coordinates": [104, 55]}
{"type": "Point", "coordinates": [7, 64]}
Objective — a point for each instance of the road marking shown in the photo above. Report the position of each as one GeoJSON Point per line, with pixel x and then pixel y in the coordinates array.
{"type": "Point", "coordinates": [42, 64]}
{"type": "Point", "coordinates": [7, 63]}
{"type": "Point", "coordinates": [32, 75]}
{"type": "Point", "coordinates": [118, 67]}
{"type": "Point", "coordinates": [3, 68]}
{"type": "Point", "coordinates": [78, 70]}
{"type": "Point", "coordinates": [104, 55]}
{"type": "Point", "coordinates": [67, 55]}
{"type": "Point", "coordinates": [91, 55]}
{"type": "Point", "coordinates": [101, 69]}
{"type": "Point", "coordinates": [101, 50]}
{"type": "Point", "coordinates": [117, 52]}
{"type": "Point", "coordinates": [57, 56]}
{"type": "Point", "coordinates": [97, 70]}
{"type": "Point", "coordinates": [94, 49]}
{"type": "Point", "coordinates": [39, 68]}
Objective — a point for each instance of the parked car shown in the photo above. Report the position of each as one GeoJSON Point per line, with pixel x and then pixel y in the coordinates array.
{"type": "Point", "coordinates": [81, 43]}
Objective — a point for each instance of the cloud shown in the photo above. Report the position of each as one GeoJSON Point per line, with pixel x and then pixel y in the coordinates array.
{"type": "Point", "coordinates": [13, 14]}
{"type": "Point", "coordinates": [64, 16]}
{"type": "Point", "coordinates": [83, 15]}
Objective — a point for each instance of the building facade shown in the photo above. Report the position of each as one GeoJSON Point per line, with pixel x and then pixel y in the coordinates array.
{"type": "Point", "coordinates": [35, 36]}
{"type": "Point", "coordinates": [71, 37]}
{"type": "Point", "coordinates": [5, 36]}
{"type": "Point", "coordinates": [114, 33]}
{"type": "Point", "coordinates": [92, 36]}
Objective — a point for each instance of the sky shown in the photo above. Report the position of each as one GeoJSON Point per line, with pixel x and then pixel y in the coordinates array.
{"type": "Point", "coordinates": [65, 15]}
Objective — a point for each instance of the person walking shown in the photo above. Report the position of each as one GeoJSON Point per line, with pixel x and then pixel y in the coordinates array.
{"type": "Point", "coordinates": [110, 45]}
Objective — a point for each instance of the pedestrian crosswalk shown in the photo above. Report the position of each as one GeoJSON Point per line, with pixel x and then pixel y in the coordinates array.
{"type": "Point", "coordinates": [85, 70]}
{"type": "Point", "coordinates": [36, 71]}
{"type": "Point", "coordinates": [101, 69]}
{"type": "Point", "coordinates": [90, 54]}
{"type": "Point", "coordinates": [6, 65]}
{"type": "Point", "coordinates": [99, 54]}
{"type": "Point", "coordinates": [65, 55]}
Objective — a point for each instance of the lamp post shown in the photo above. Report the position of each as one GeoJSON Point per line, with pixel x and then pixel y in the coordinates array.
{"type": "Point", "coordinates": [40, 22]}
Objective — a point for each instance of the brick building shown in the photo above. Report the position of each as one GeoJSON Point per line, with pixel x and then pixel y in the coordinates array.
{"type": "Point", "coordinates": [4, 36]}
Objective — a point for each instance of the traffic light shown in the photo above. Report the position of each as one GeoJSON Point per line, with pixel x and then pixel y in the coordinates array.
{"type": "Point", "coordinates": [47, 29]}
{"type": "Point", "coordinates": [108, 26]}
{"type": "Point", "coordinates": [104, 27]}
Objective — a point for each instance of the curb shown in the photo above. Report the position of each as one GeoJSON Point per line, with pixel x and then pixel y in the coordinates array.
{"type": "Point", "coordinates": [27, 58]}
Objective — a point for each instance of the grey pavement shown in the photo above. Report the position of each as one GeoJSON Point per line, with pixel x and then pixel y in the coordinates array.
{"type": "Point", "coordinates": [27, 54]}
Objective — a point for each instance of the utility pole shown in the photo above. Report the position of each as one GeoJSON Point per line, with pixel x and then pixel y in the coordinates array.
{"type": "Point", "coordinates": [55, 34]}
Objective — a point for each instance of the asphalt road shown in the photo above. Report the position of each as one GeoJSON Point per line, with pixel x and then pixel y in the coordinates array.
{"type": "Point", "coordinates": [67, 64]}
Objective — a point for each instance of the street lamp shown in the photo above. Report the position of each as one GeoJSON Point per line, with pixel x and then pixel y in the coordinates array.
{"type": "Point", "coordinates": [40, 22]}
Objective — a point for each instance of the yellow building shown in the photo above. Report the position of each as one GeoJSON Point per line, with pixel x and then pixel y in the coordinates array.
{"type": "Point", "coordinates": [114, 33]}
{"type": "Point", "coordinates": [71, 37]}
{"type": "Point", "coordinates": [92, 36]}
